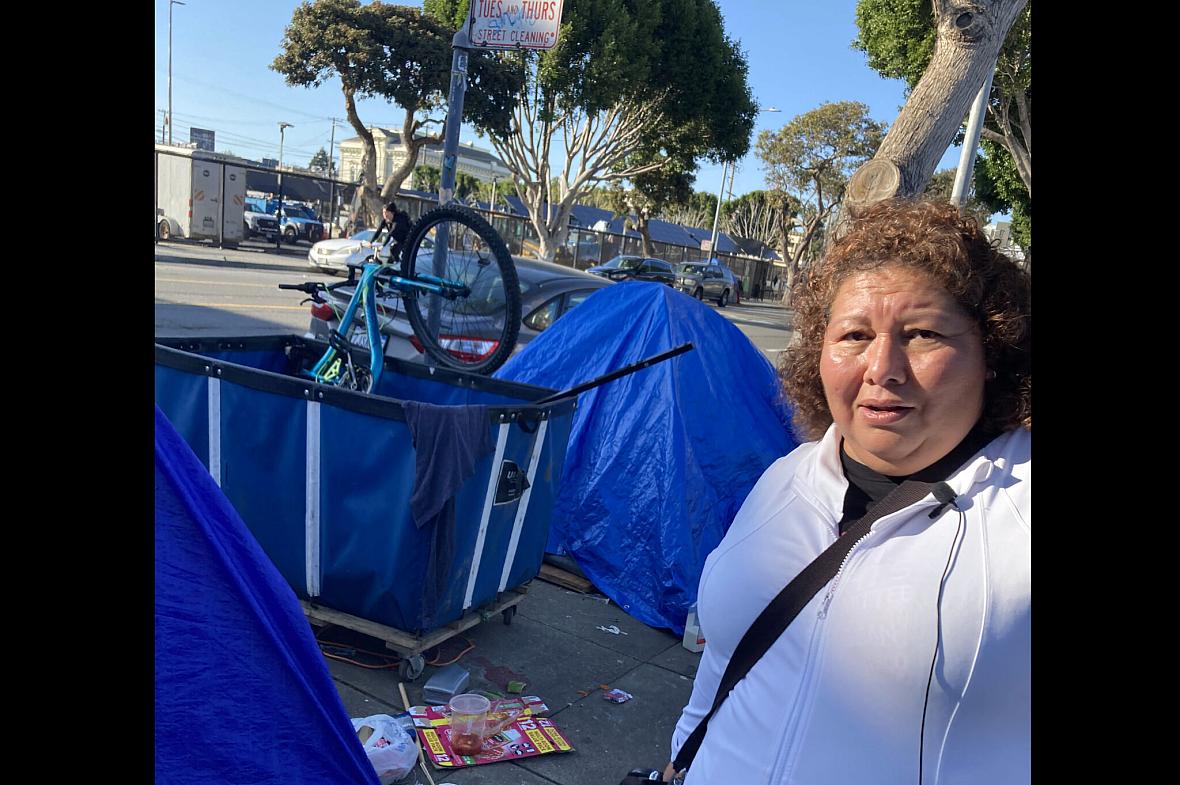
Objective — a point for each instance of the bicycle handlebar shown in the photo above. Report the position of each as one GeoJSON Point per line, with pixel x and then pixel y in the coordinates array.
{"type": "Point", "coordinates": [310, 287]}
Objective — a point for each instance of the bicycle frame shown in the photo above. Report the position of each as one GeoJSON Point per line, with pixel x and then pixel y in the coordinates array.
{"type": "Point", "coordinates": [366, 293]}
{"type": "Point", "coordinates": [327, 371]}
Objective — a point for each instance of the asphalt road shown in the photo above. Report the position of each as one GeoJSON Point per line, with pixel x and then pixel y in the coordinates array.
{"type": "Point", "coordinates": [205, 290]}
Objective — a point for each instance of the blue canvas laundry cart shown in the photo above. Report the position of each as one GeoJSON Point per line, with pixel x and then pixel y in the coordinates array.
{"type": "Point", "coordinates": [324, 478]}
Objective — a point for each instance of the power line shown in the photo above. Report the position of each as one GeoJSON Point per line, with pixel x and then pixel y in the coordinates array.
{"type": "Point", "coordinates": [252, 98]}
{"type": "Point", "coordinates": [254, 143]}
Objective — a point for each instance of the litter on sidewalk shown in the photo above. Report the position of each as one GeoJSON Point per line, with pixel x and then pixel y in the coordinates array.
{"type": "Point", "coordinates": [514, 730]}
{"type": "Point", "coordinates": [617, 696]}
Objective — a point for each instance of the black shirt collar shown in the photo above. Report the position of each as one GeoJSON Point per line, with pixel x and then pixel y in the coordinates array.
{"type": "Point", "coordinates": [866, 486]}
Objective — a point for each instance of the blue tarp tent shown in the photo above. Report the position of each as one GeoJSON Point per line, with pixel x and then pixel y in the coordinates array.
{"type": "Point", "coordinates": [658, 461]}
{"type": "Point", "coordinates": [242, 692]}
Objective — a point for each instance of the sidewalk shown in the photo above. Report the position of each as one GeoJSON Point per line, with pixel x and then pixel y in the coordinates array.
{"type": "Point", "coordinates": [553, 645]}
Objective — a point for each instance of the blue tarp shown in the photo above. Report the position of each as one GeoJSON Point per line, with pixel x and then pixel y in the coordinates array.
{"type": "Point", "coordinates": [658, 461]}
{"type": "Point", "coordinates": [242, 692]}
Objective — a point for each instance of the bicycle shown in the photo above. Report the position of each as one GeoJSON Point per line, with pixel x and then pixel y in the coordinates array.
{"type": "Point", "coordinates": [465, 313]}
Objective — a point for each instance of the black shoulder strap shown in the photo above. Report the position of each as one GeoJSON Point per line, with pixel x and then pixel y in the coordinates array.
{"type": "Point", "coordinates": [783, 609]}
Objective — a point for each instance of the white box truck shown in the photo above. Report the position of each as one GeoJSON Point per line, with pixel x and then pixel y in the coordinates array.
{"type": "Point", "coordinates": [199, 195]}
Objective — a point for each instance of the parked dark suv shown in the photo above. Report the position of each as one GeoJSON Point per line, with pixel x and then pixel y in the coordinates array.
{"type": "Point", "coordinates": [639, 268]}
{"type": "Point", "coordinates": [712, 280]}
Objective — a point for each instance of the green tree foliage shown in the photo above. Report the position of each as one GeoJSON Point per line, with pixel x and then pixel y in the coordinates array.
{"type": "Point", "coordinates": [429, 178]}
{"type": "Point", "coordinates": [426, 178]}
{"type": "Point", "coordinates": [998, 185]}
{"type": "Point", "coordinates": [452, 13]}
{"type": "Point", "coordinates": [942, 184]}
{"type": "Point", "coordinates": [319, 161]}
{"type": "Point", "coordinates": [402, 55]}
{"type": "Point", "coordinates": [811, 158]}
{"type": "Point", "coordinates": [898, 38]}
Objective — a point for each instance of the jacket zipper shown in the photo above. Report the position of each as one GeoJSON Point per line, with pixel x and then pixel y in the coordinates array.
{"type": "Point", "coordinates": [784, 759]}
{"type": "Point", "coordinates": [823, 611]}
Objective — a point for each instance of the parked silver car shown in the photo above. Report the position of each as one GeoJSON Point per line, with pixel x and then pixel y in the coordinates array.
{"type": "Point", "coordinates": [707, 279]}
{"type": "Point", "coordinates": [548, 291]}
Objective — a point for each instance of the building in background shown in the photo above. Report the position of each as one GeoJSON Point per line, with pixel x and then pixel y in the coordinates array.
{"type": "Point", "coordinates": [1000, 234]}
{"type": "Point", "coordinates": [473, 161]}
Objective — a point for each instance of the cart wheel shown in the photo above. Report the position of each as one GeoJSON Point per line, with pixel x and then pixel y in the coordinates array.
{"type": "Point", "coordinates": [508, 613]}
{"type": "Point", "coordinates": [411, 667]}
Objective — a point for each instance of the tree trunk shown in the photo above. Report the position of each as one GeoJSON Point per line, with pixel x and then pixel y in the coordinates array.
{"type": "Point", "coordinates": [970, 35]}
{"type": "Point", "coordinates": [367, 190]}
{"type": "Point", "coordinates": [411, 145]}
{"type": "Point", "coordinates": [641, 223]}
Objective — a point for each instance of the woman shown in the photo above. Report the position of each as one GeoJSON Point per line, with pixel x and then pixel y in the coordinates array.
{"type": "Point", "coordinates": [913, 663]}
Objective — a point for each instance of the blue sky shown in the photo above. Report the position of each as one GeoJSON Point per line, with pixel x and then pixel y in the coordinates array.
{"type": "Point", "coordinates": [798, 50]}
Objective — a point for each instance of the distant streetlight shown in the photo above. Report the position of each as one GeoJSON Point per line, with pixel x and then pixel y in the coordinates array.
{"type": "Point", "coordinates": [721, 194]}
{"type": "Point", "coordinates": [279, 215]}
{"type": "Point", "coordinates": [169, 118]}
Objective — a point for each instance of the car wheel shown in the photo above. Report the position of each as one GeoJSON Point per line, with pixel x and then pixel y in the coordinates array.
{"type": "Point", "coordinates": [699, 294]}
{"type": "Point", "coordinates": [723, 299]}
{"type": "Point", "coordinates": [289, 234]}
{"type": "Point", "coordinates": [246, 233]}
{"type": "Point", "coordinates": [165, 230]}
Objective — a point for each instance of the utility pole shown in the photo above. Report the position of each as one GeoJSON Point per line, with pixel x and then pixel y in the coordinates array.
{"type": "Point", "coordinates": [168, 119]}
{"type": "Point", "coordinates": [717, 212]}
{"type": "Point", "coordinates": [279, 213]}
{"type": "Point", "coordinates": [332, 181]}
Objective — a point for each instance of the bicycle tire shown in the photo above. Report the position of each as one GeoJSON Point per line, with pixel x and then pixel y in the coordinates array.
{"type": "Point", "coordinates": [477, 333]}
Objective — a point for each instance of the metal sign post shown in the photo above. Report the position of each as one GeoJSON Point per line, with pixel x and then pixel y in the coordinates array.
{"type": "Point", "coordinates": [489, 25]}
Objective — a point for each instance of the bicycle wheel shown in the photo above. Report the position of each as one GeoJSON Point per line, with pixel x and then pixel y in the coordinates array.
{"type": "Point", "coordinates": [477, 306]}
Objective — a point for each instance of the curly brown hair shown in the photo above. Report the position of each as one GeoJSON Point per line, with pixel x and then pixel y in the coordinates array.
{"type": "Point", "coordinates": [953, 251]}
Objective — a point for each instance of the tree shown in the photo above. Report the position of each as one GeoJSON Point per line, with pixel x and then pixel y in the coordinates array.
{"type": "Point", "coordinates": [942, 184]}
{"type": "Point", "coordinates": [998, 185]}
{"type": "Point", "coordinates": [898, 36]}
{"type": "Point", "coordinates": [402, 55]}
{"type": "Point", "coordinates": [426, 178]}
{"type": "Point", "coordinates": [319, 162]}
{"type": "Point", "coordinates": [695, 212]}
{"type": "Point", "coordinates": [622, 74]}
{"type": "Point", "coordinates": [651, 190]}
{"type": "Point", "coordinates": [968, 36]}
{"type": "Point", "coordinates": [767, 216]}
{"type": "Point", "coordinates": [811, 158]}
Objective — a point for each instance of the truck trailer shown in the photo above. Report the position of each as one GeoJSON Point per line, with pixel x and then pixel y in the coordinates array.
{"type": "Point", "coordinates": [199, 195]}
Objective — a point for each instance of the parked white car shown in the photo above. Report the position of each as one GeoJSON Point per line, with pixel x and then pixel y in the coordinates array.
{"type": "Point", "coordinates": [332, 255]}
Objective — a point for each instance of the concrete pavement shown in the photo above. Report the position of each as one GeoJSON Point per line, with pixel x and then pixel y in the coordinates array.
{"type": "Point", "coordinates": [554, 645]}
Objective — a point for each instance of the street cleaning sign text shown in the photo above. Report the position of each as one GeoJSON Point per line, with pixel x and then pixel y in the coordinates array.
{"type": "Point", "coordinates": [514, 24]}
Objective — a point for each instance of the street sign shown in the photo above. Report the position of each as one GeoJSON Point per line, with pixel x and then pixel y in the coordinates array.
{"type": "Point", "coordinates": [514, 24]}
{"type": "Point", "coordinates": [202, 138]}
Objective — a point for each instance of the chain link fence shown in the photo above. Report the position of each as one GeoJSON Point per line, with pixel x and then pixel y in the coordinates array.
{"type": "Point", "coordinates": [201, 196]}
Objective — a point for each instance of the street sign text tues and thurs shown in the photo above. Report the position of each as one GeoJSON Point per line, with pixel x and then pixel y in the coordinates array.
{"type": "Point", "coordinates": [514, 24]}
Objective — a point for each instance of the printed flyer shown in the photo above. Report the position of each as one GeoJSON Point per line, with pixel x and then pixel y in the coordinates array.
{"type": "Point", "coordinates": [514, 731]}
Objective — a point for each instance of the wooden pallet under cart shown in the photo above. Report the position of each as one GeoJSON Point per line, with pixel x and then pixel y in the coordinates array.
{"type": "Point", "coordinates": [407, 645]}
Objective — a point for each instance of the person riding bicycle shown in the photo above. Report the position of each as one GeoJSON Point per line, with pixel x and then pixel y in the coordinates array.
{"type": "Point", "coordinates": [397, 224]}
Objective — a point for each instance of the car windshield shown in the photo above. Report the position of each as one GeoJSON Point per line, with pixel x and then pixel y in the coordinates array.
{"type": "Point", "coordinates": [297, 211]}
{"type": "Point", "coordinates": [364, 236]}
{"type": "Point", "coordinates": [691, 269]}
{"type": "Point", "coordinates": [624, 263]}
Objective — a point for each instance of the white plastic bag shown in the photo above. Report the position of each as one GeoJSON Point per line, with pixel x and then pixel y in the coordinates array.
{"type": "Point", "coordinates": [389, 748]}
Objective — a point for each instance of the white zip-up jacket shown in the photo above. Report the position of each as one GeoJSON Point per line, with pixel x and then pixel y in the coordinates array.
{"type": "Point", "coordinates": [839, 697]}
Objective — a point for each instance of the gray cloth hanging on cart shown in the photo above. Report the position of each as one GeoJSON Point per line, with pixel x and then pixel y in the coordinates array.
{"type": "Point", "coordinates": [448, 443]}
